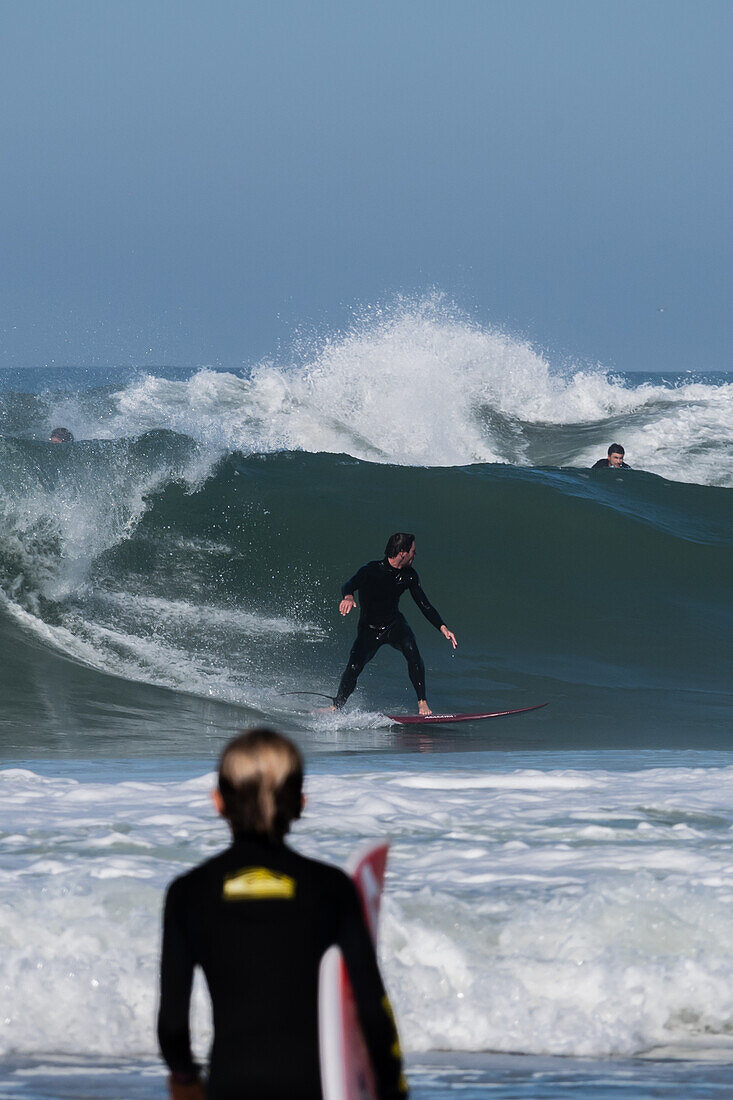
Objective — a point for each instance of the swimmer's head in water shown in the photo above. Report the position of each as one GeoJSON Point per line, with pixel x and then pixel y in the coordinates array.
{"type": "Point", "coordinates": [616, 454]}
{"type": "Point", "coordinates": [261, 783]}
{"type": "Point", "coordinates": [61, 435]}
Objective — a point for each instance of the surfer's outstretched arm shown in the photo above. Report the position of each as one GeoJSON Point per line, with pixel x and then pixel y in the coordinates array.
{"type": "Point", "coordinates": [431, 614]}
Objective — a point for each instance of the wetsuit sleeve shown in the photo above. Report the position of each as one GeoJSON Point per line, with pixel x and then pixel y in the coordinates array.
{"type": "Point", "coordinates": [375, 1011]}
{"type": "Point", "coordinates": [423, 602]}
{"type": "Point", "coordinates": [176, 979]}
{"type": "Point", "coordinates": [350, 587]}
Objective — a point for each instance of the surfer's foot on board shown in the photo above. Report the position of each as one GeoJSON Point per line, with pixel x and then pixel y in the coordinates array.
{"type": "Point", "coordinates": [423, 708]}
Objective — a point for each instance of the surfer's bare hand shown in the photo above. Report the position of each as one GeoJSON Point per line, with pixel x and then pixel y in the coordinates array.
{"type": "Point", "coordinates": [449, 635]}
{"type": "Point", "coordinates": [347, 604]}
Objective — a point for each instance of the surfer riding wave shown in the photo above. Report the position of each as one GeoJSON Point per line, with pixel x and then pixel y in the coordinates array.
{"type": "Point", "coordinates": [380, 585]}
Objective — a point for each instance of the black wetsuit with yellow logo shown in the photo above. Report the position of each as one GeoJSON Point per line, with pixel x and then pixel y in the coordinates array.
{"type": "Point", "coordinates": [380, 586]}
{"type": "Point", "coordinates": [257, 919]}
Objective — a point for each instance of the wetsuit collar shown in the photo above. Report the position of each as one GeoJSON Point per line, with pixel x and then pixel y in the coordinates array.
{"type": "Point", "coordinates": [256, 840]}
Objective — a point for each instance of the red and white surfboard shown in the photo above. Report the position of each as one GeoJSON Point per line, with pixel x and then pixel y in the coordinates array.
{"type": "Point", "coordinates": [346, 1072]}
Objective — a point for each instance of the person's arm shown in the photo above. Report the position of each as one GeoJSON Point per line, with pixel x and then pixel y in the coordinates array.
{"type": "Point", "coordinates": [428, 610]}
{"type": "Point", "coordinates": [176, 979]}
{"type": "Point", "coordinates": [348, 603]}
{"type": "Point", "coordinates": [375, 1011]}
{"type": "Point", "coordinates": [423, 602]}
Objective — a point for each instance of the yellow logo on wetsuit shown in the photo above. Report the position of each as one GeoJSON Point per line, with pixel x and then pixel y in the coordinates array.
{"type": "Point", "coordinates": [257, 884]}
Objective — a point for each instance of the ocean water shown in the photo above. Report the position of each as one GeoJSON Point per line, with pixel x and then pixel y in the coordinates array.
{"type": "Point", "coordinates": [557, 917]}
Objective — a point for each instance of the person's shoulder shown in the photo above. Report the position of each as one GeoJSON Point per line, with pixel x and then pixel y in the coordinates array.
{"type": "Point", "coordinates": [193, 879]}
{"type": "Point", "coordinates": [369, 565]}
{"type": "Point", "coordinates": [373, 566]}
{"type": "Point", "coordinates": [600, 463]}
{"type": "Point", "coordinates": [328, 876]}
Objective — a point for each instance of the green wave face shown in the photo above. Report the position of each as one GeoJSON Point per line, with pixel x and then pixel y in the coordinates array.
{"type": "Point", "coordinates": [609, 594]}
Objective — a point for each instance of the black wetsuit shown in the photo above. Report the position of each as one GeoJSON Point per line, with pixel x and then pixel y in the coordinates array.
{"type": "Point", "coordinates": [380, 586]}
{"type": "Point", "coordinates": [258, 918]}
{"type": "Point", "coordinates": [606, 462]}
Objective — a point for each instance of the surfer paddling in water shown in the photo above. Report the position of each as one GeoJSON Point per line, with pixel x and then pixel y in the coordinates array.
{"type": "Point", "coordinates": [380, 585]}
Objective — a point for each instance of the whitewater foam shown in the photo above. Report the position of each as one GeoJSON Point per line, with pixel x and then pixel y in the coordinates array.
{"type": "Point", "coordinates": [570, 917]}
{"type": "Point", "coordinates": [411, 389]}
{"type": "Point", "coordinates": [420, 384]}
{"type": "Point", "coordinates": [58, 517]}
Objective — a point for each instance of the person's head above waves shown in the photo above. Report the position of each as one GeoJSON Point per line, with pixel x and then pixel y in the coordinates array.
{"type": "Point", "coordinates": [61, 435]}
{"type": "Point", "coordinates": [260, 788]}
{"type": "Point", "coordinates": [614, 461]}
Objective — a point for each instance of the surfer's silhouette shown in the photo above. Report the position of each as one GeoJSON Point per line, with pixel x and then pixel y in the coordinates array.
{"type": "Point", "coordinates": [380, 585]}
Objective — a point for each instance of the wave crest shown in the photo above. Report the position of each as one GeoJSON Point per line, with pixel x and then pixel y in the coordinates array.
{"type": "Point", "coordinates": [421, 384]}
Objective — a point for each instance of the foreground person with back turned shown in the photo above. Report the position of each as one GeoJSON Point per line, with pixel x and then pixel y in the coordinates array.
{"type": "Point", "coordinates": [257, 919]}
{"type": "Point", "coordinates": [380, 585]}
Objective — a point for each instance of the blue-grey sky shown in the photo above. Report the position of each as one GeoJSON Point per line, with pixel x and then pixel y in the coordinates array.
{"type": "Point", "coordinates": [189, 182]}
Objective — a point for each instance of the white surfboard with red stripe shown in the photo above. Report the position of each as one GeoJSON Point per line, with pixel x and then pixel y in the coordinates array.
{"type": "Point", "coordinates": [346, 1072]}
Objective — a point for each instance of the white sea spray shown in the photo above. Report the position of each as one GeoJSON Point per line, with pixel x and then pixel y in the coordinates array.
{"type": "Point", "coordinates": [420, 384]}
